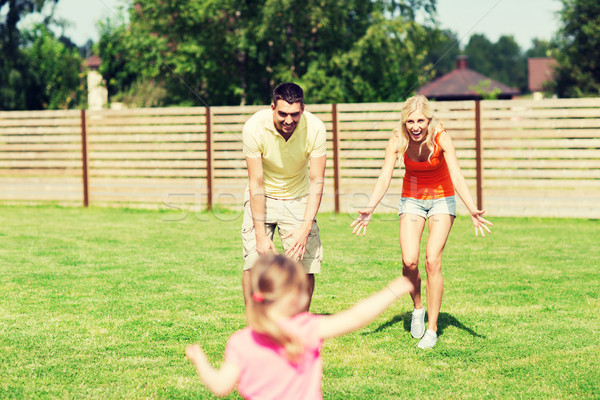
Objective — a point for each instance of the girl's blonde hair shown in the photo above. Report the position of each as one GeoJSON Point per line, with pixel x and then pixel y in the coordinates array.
{"type": "Point", "coordinates": [416, 103]}
{"type": "Point", "coordinates": [272, 277]}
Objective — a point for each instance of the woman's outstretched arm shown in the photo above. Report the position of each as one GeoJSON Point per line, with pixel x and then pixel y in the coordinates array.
{"type": "Point", "coordinates": [460, 185]}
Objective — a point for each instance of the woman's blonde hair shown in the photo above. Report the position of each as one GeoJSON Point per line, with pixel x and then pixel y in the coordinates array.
{"type": "Point", "coordinates": [272, 277]}
{"type": "Point", "coordinates": [416, 103]}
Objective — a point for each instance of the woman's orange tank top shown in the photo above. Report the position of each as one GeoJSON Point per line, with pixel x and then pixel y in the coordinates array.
{"type": "Point", "coordinates": [428, 179]}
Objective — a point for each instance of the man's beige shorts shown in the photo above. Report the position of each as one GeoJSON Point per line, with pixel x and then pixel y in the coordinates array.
{"type": "Point", "coordinates": [287, 216]}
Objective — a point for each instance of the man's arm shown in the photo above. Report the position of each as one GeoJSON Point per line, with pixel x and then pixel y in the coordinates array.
{"type": "Point", "coordinates": [257, 205]}
{"type": "Point", "coordinates": [315, 194]}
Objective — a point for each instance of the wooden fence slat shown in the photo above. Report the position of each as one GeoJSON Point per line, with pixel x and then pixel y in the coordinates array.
{"type": "Point", "coordinates": [149, 138]}
{"type": "Point", "coordinates": [55, 164]}
{"type": "Point", "coordinates": [148, 120]}
{"type": "Point", "coordinates": [50, 122]}
{"type": "Point", "coordinates": [542, 173]}
{"type": "Point", "coordinates": [40, 155]}
{"type": "Point", "coordinates": [39, 147]}
{"type": "Point", "coordinates": [545, 103]}
{"type": "Point", "coordinates": [40, 130]}
{"type": "Point", "coordinates": [5, 115]}
{"type": "Point", "coordinates": [31, 172]}
{"type": "Point", "coordinates": [140, 129]}
{"type": "Point", "coordinates": [361, 107]}
{"type": "Point", "coordinates": [167, 173]}
{"type": "Point", "coordinates": [148, 155]}
{"type": "Point", "coordinates": [542, 164]}
{"type": "Point", "coordinates": [542, 123]}
{"type": "Point", "coordinates": [542, 143]}
{"type": "Point", "coordinates": [153, 111]}
{"type": "Point", "coordinates": [153, 182]}
{"type": "Point", "coordinates": [148, 146]}
{"type": "Point", "coordinates": [143, 164]}
{"type": "Point", "coordinates": [543, 113]}
{"type": "Point", "coordinates": [532, 154]}
{"type": "Point", "coordinates": [541, 133]}
{"type": "Point", "coordinates": [542, 183]}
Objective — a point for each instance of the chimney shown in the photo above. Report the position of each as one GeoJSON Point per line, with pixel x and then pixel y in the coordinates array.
{"type": "Point", "coordinates": [461, 62]}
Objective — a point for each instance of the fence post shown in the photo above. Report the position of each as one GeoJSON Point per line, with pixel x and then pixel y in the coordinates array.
{"type": "Point", "coordinates": [479, 169]}
{"type": "Point", "coordinates": [84, 159]}
{"type": "Point", "coordinates": [336, 158]}
{"type": "Point", "coordinates": [209, 161]}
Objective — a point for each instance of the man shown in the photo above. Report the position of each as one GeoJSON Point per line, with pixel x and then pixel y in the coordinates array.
{"type": "Point", "coordinates": [283, 191]}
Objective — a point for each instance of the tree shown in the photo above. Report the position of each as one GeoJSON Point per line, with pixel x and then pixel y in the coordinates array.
{"type": "Point", "coordinates": [539, 48]}
{"type": "Point", "coordinates": [12, 79]}
{"type": "Point", "coordinates": [445, 48]}
{"type": "Point", "coordinates": [54, 71]}
{"type": "Point", "coordinates": [231, 52]}
{"type": "Point", "coordinates": [502, 61]}
{"type": "Point", "coordinates": [38, 70]}
{"type": "Point", "coordinates": [577, 49]}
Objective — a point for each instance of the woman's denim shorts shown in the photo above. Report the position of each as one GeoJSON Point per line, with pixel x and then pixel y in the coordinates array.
{"type": "Point", "coordinates": [427, 208]}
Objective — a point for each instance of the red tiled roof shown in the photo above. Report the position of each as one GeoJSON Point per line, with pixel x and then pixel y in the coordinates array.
{"type": "Point", "coordinates": [93, 61]}
{"type": "Point", "coordinates": [541, 70]}
{"type": "Point", "coordinates": [461, 83]}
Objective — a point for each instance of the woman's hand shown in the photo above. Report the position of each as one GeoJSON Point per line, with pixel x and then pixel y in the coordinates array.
{"type": "Point", "coordinates": [361, 222]}
{"type": "Point", "coordinates": [480, 223]}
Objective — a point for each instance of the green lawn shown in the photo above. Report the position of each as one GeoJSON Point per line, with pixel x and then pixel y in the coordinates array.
{"type": "Point", "coordinates": [100, 303]}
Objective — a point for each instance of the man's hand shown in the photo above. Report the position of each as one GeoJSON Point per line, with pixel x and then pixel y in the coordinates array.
{"type": "Point", "coordinates": [299, 239]}
{"type": "Point", "coordinates": [264, 245]}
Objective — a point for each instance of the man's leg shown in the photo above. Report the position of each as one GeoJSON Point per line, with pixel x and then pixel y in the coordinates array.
{"type": "Point", "coordinates": [249, 246]}
{"type": "Point", "coordinates": [246, 288]}
{"type": "Point", "coordinates": [292, 219]}
{"type": "Point", "coordinates": [311, 289]}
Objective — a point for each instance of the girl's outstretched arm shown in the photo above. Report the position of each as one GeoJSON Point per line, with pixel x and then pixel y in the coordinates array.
{"type": "Point", "coordinates": [221, 381]}
{"type": "Point", "coordinates": [365, 311]}
{"type": "Point", "coordinates": [381, 187]}
{"type": "Point", "coordinates": [460, 186]}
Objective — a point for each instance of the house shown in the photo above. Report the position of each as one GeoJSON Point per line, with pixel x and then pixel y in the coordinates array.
{"type": "Point", "coordinates": [540, 70]}
{"type": "Point", "coordinates": [97, 92]}
{"type": "Point", "coordinates": [465, 84]}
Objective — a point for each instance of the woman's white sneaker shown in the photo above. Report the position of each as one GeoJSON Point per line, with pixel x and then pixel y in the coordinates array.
{"type": "Point", "coordinates": [429, 340]}
{"type": "Point", "coordinates": [417, 323]}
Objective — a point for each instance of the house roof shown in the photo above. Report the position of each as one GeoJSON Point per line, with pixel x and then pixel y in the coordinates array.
{"type": "Point", "coordinates": [541, 70]}
{"type": "Point", "coordinates": [93, 62]}
{"type": "Point", "coordinates": [461, 83]}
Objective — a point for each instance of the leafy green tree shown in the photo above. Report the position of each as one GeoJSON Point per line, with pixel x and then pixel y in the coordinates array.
{"type": "Point", "coordinates": [502, 61]}
{"type": "Point", "coordinates": [13, 79]}
{"type": "Point", "coordinates": [37, 70]}
{"type": "Point", "coordinates": [54, 70]}
{"type": "Point", "coordinates": [445, 48]}
{"type": "Point", "coordinates": [539, 48]}
{"type": "Point", "coordinates": [578, 49]}
{"type": "Point", "coordinates": [232, 52]}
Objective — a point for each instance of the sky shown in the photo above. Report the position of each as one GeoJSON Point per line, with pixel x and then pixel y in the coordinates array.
{"type": "Point", "coordinates": [524, 19]}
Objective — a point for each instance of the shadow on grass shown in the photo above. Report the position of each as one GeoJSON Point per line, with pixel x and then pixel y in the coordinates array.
{"type": "Point", "coordinates": [445, 320]}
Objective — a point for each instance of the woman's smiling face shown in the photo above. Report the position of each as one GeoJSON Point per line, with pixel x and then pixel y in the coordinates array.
{"type": "Point", "coordinates": [416, 126]}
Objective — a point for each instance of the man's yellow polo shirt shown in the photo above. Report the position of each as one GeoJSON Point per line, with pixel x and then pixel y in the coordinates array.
{"type": "Point", "coordinates": [285, 164]}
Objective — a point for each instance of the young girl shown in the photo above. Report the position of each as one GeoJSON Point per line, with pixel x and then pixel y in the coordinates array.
{"type": "Point", "coordinates": [432, 175]}
{"type": "Point", "coordinates": [279, 355]}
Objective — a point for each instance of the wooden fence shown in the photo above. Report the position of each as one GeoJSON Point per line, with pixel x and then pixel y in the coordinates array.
{"type": "Point", "coordinates": [520, 157]}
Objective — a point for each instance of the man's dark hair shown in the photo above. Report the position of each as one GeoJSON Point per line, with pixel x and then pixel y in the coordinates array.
{"type": "Point", "coordinates": [289, 92]}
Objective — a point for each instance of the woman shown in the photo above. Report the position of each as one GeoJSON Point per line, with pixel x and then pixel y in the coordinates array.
{"type": "Point", "coordinates": [432, 176]}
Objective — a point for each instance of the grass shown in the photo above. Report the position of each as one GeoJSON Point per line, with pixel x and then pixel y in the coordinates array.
{"type": "Point", "coordinates": [100, 303]}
